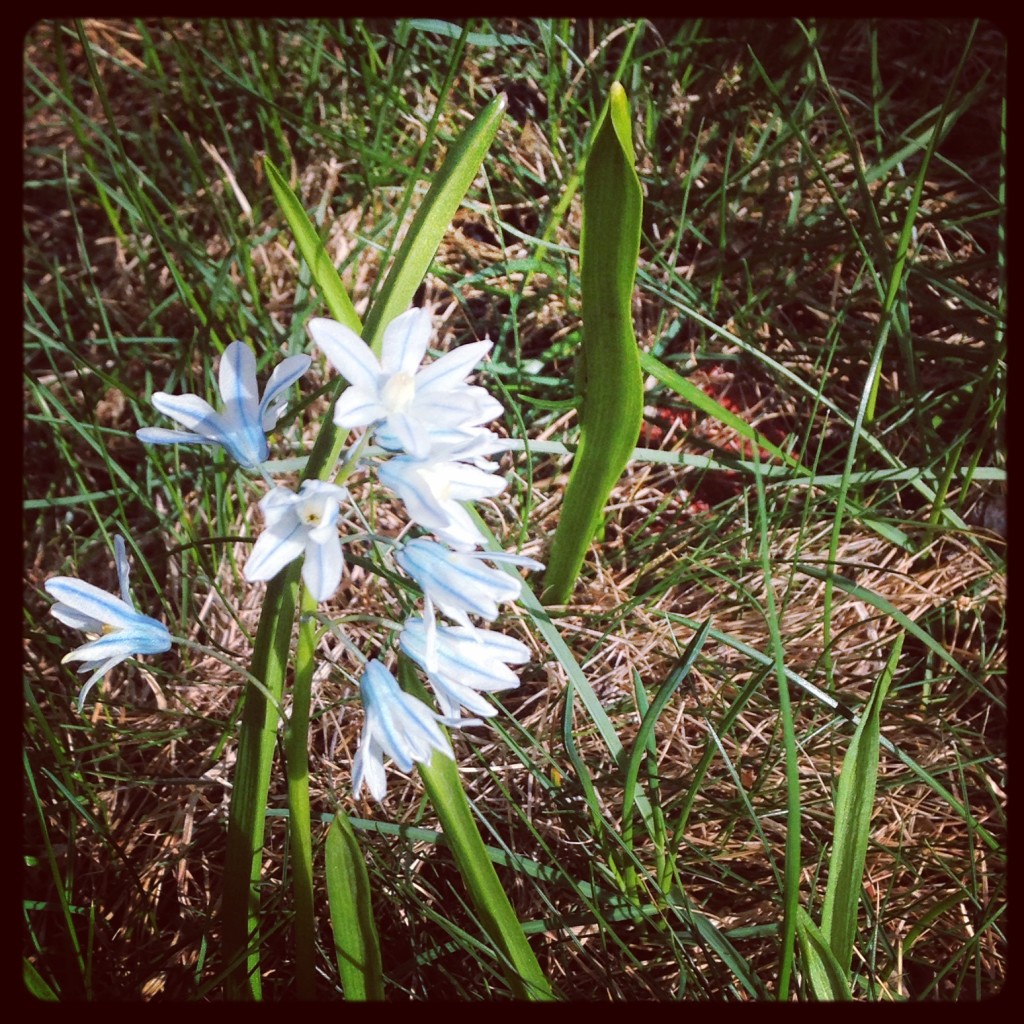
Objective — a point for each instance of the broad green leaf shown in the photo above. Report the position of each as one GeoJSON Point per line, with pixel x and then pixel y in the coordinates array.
{"type": "Point", "coordinates": [611, 384]}
{"type": "Point", "coordinates": [827, 980]}
{"type": "Point", "coordinates": [356, 944]}
{"type": "Point", "coordinates": [855, 798]}
{"type": "Point", "coordinates": [325, 274]}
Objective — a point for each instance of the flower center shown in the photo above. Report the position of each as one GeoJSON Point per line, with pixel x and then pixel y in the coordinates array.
{"type": "Point", "coordinates": [398, 392]}
{"type": "Point", "coordinates": [438, 483]}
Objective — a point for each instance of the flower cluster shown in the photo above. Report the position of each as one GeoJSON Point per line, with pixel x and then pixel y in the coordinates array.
{"type": "Point", "coordinates": [430, 447]}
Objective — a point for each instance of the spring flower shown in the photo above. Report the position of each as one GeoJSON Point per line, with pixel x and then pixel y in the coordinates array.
{"type": "Point", "coordinates": [397, 724]}
{"type": "Point", "coordinates": [461, 660]}
{"type": "Point", "coordinates": [458, 582]}
{"type": "Point", "coordinates": [241, 428]}
{"type": "Point", "coordinates": [433, 488]}
{"type": "Point", "coordinates": [123, 632]}
{"type": "Point", "coordinates": [409, 405]}
{"type": "Point", "coordinates": [301, 524]}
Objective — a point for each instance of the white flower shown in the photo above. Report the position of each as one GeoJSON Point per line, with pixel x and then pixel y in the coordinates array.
{"type": "Point", "coordinates": [397, 724]}
{"type": "Point", "coordinates": [301, 524]}
{"type": "Point", "coordinates": [433, 488]}
{"type": "Point", "coordinates": [460, 660]}
{"type": "Point", "coordinates": [412, 407]}
{"type": "Point", "coordinates": [241, 427]}
{"type": "Point", "coordinates": [124, 632]}
{"type": "Point", "coordinates": [458, 582]}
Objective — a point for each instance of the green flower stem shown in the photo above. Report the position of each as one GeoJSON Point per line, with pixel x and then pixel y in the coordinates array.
{"type": "Point", "coordinates": [297, 765]}
{"type": "Point", "coordinates": [444, 787]}
{"type": "Point", "coordinates": [247, 814]}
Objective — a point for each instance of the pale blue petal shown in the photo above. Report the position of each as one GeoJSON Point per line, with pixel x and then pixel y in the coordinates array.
{"type": "Point", "coordinates": [275, 548]}
{"type": "Point", "coordinates": [86, 600]}
{"type": "Point", "coordinates": [457, 583]}
{"type": "Point", "coordinates": [507, 556]}
{"type": "Point", "coordinates": [76, 619]}
{"type": "Point", "coordinates": [411, 434]}
{"type": "Point", "coordinates": [358, 408]}
{"type": "Point", "coordinates": [94, 679]}
{"type": "Point", "coordinates": [405, 342]}
{"type": "Point", "coordinates": [452, 368]}
{"type": "Point", "coordinates": [321, 570]}
{"type": "Point", "coordinates": [160, 435]}
{"type": "Point", "coordinates": [192, 412]}
{"type": "Point", "coordinates": [285, 374]}
{"type": "Point", "coordinates": [347, 353]}
{"type": "Point", "coordinates": [237, 379]}
{"type": "Point", "coordinates": [121, 561]}
{"type": "Point", "coordinates": [150, 637]}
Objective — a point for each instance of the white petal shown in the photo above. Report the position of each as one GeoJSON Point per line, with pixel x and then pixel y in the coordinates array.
{"type": "Point", "coordinates": [358, 408]}
{"type": "Point", "coordinates": [368, 768]}
{"type": "Point", "coordinates": [405, 342]}
{"type": "Point", "coordinates": [452, 368]}
{"type": "Point", "coordinates": [347, 353]}
{"type": "Point", "coordinates": [321, 570]}
{"type": "Point", "coordinates": [406, 479]}
{"type": "Point", "coordinates": [467, 483]}
{"type": "Point", "coordinates": [273, 551]}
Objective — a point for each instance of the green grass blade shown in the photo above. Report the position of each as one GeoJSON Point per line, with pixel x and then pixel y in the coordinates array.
{"type": "Point", "coordinates": [653, 713]}
{"type": "Point", "coordinates": [612, 390]}
{"type": "Point", "coordinates": [689, 391]}
{"type": "Point", "coordinates": [855, 798]}
{"type": "Point", "coordinates": [444, 788]}
{"type": "Point", "coordinates": [324, 272]}
{"type": "Point", "coordinates": [356, 944]}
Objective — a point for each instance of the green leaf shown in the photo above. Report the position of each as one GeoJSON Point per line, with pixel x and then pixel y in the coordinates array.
{"type": "Point", "coordinates": [35, 983]}
{"type": "Point", "coordinates": [433, 218]}
{"type": "Point", "coordinates": [356, 944]}
{"type": "Point", "coordinates": [612, 390]}
{"type": "Point", "coordinates": [827, 980]}
{"type": "Point", "coordinates": [855, 798]}
{"type": "Point", "coordinates": [324, 273]}
{"type": "Point", "coordinates": [444, 787]}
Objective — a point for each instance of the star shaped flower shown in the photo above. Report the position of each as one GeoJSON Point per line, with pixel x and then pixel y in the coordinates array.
{"type": "Point", "coordinates": [460, 661]}
{"type": "Point", "coordinates": [122, 631]}
{"type": "Point", "coordinates": [411, 407]}
{"type": "Point", "coordinates": [241, 428]}
{"type": "Point", "coordinates": [301, 524]}
{"type": "Point", "coordinates": [397, 724]}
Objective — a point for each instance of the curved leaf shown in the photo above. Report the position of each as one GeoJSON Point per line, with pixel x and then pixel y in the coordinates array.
{"type": "Point", "coordinates": [612, 391]}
